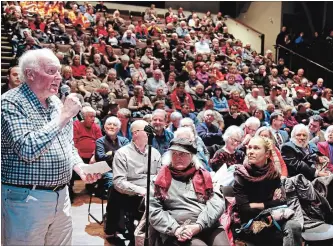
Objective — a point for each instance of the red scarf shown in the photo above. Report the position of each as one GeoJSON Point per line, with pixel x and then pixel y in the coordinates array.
{"type": "Point", "coordinates": [201, 179]}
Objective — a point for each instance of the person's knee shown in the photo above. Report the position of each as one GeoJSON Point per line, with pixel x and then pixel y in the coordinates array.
{"type": "Point", "coordinates": [293, 227]}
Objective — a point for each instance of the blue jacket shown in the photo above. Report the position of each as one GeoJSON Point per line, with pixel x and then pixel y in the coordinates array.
{"type": "Point", "coordinates": [220, 103]}
{"type": "Point", "coordinates": [161, 143]}
{"type": "Point", "coordinates": [102, 147]}
{"type": "Point", "coordinates": [211, 135]}
{"type": "Point", "coordinates": [129, 133]}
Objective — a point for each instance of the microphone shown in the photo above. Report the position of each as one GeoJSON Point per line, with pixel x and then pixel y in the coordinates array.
{"type": "Point", "coordinates": [150, 130]}
{"type": "Point", "coordinates": [65, 90]}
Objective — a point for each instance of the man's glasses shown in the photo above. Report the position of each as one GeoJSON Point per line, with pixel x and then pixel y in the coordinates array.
{"type": "Point", "coordinates": [52, 70]}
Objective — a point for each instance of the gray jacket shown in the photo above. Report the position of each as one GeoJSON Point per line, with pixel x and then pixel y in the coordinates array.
{"type": "Point", "coordinates": [182, 204]}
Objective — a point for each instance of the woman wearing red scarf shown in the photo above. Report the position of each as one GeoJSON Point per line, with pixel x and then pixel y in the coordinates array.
{"type": "Point", "coordinates": [258, 187]}
{"type": "Point", "coordinates": [184, 208]}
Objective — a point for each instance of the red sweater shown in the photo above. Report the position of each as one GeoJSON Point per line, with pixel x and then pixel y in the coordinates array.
{"type": "Point", "coordinates": [178, 105]}
{"type": "Point", "coordinates": [79, 70]}
{"type": "Point", "coordinates": [85, 139]}
{"type": "Point", "coordinates": [240, 103]}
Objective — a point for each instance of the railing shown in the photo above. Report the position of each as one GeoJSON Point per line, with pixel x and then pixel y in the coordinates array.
{"type": "Point", "coordinates": [313, 70]}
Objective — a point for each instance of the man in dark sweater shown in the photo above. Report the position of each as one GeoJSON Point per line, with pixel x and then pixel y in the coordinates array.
{"type": "Point", "coordinates": [233, 117]}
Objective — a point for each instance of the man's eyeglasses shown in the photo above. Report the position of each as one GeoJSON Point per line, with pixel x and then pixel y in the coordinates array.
{"type": "Point", "coordinates": [52, 70]}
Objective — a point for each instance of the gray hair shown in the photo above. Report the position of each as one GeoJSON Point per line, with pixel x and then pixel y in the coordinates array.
{"type": "Point", "coordinates": [114, 120]}
{"type": "Point", "coordinates": [189, 121]}
{"type": "Point", "coordinates": [124, 58]}
{"type": "Point", "coordinates": [125, 112]}
{"type": "Point", "coordinates": [328, 131]}
{"type": "Point", "coordinates": [208, 112]}
{"type": "Point", "coordinates": [297, 129]}
{"type": "Point", "coordinates": [138, 123]}
{"type": "Point", "coordinates": [167, 160]}
{"type": "Point", "coordinates": [112, 70]}
{"type": "Point", "coordinates": [264, 128]}
{"type": "Point", "coordinates": [252, 121]}
{"type": "Point", "coordinates": [262, 67]}
{"type": "Point", "coordinates": [88, 109]}
{"type": "Point", "coordinates": [175, 116]}
{"type": "Point", "coordinates": [232, 131]}
{"type": "Point", "coordinates": [185, 130]}
{"type": "Point", "coordinates": [157, 111]}
{"type": "Point", "coordinates": [32, 59]}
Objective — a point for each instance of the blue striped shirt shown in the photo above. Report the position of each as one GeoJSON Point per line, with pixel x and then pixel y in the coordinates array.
{"type": "Point", "coordinates": [35, 150]}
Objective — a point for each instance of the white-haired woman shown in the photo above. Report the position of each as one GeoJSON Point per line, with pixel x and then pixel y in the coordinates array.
{"type": "Point", "coordinates": [229, 154]}
{"type": "Point", "coordinates": [184, 206]}
{"type": "Point", "coordinates": [107, 146]}
{"type": "Point", "coordinates": [175, 118]}
{"type": "Point", "coordinates": [302, 156]}
{"type": "Point", "coordinates": [326, 148]}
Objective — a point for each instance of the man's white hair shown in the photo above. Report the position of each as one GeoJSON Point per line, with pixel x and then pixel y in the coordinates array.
{"type": "Point", "coordinates": [328, 131]}
{"type": "Point", "coordinates": [233, 131]}
{"type": "Point", "coordinates": [32, 59]}
{"type": "Point", "coordinates": [184, 130]}
{"type": "Point", "coordinates": [113, 120]}
{"type": "Point", "coordinates": [252, 121]}
{"type": "Point", "coordinates": [208, 111]}
{"type": "Point", "coordinates": [189, 122]}
{"type": "Point", "coordinates": [88, 109]}
{"type": "Point", "coordinates": [297, 129]}
{"type": "Point", "coordinates": [175, 116]}
{"type": "Point", "coordinates": [158, 111]}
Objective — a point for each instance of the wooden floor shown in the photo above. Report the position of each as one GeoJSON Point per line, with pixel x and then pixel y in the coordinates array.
{"type": "Point", "coordinates": [85, 230]}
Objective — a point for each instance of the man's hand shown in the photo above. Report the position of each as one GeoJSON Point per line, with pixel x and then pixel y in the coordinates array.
{"type": "Point", "coordinates": [87, 178]}
{"type": "Point", "coordinates": [71, 108]}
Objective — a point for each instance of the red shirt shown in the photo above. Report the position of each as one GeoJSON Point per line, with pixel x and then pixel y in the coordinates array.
{"type": "Point", "coordinates": [85, 139]}
{"type": "Point", "coordinates": [101, 30]}
{"type": "Point", "coordinates": [178, 104]}
{"type": "Point", "coordinates": [79, 71]}
{"type": "Point", "coordinates": [240, 103]}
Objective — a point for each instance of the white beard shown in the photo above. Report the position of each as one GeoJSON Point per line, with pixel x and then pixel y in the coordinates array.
{"type": "Point", "coordinates": [299, 144]}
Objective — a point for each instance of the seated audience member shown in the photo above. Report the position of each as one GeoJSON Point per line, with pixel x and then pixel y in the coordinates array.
{"type": "Point", "coordinates": [327, 98]}
{"type": "Point", "coordinates": [261, 77]}
{"type": "Point", "coordinates": [200, 97]}
{"type": "Point", "coordinates": [155, 82]}
{"type": "Point", "coordinates": [289, 120]}
{"type": "Point", "coordinates": [251, 126]}
{"type": "Point", "coordinates": [229, 154]}
{"type": "Point", "coordinates": [175, 118]}
{"type": "Point", "coordinates": [220, 102]}
{"type": "Point", "coordinates": [280, 136]}
{"type": "Point", "coordinates": [302, 156]}
{"type": "Point", "coordinates": [231, 85]}
{"type": "Point", "coordinates": [138, 70]}
{"type": "Point", "coordinates": [129, 179]}
{"type": "Point", "coordinates": [326, 148]}
{"type": "Point", "coordinates": [171, 83]}
{"type": "Point", "coordinates": [100, 99]}
{"type": "Point", "coordinates": [260, 114]}
{"type": "Point", "coordinates": [13, 79]}
{"type": "Point", "coordinates": [319, 85]}
{"type": "Point", "coordinates": [191, 83]}
{"type": "Point", "coordinates": [78, 69]}
{"type": "Point", "coordinates": [284, 100]}
{"type": "Point", "coordinates": [171, 205]}
{"type": "Point", "coordinates": [211, 85]}
{"type": "Point", "coordinates": [302, 115]}
{"type": "Point", "coordinates": [235, 99]}
{"type": "Point", "coordinates": [86, 133]}
{"type": "Point", "coordinates": [316, 134]}
{"type": "Point", "coordinates": [117, 86]}
{"type": "Point", "coordinates": [254, 101]}
{"type": "Point", "coordinates": [218, 120]}
{"type": "Point", "coordinates": [131, 83]}
{"type": "Point", "coordinates": [304, 87]}
{"type": "Point", "coordinates": [139, 104]}
{"type": "Point", "coordinates": [186, 113]}
{"type": "Point", "coordinates": [300, 97]}
{"type": "Point", "coordinates": [328, 116]}
{"type": "Point", "coordinates": [163, 136]}
{"type": "Point", "coordinates": [128, 40]}
{"type": "Point", "coordinates": [208, 132]}
{"type": "Point", "coordinates": [315, 100]}
{"type": "Point", "coordinates": [107, 146]}
{"type": "Point", "coordinates": [89, 84]}
{"type": "Point", "coordinates": [272, 97]}
{"type": "Point", "coordinates": [233, 117]}
{"type": "Point", "coordinates": [266, 132]}
{"type": "Point", "coordinates": [124, 115]}
{"type": "Point", "coordinates": [258, 187]}
{"type": "Point", "coordinates": [100, 70]}
{"type": "Point", "coordinates": [179, 97]}
{"type": "Point", "coordinates": [122, 68]}
{"type": "Point", "coordinates": [202, 152]}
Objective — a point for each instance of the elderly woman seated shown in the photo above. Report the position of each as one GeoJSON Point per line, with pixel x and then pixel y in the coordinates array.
{"type": "Point", "coordinates": [139, 104]}
{"type": "Point", "coordinates": [326, 148]}
{"type": "Point", "coordinates": [229, 154]}
{"type": "Point", "coordinates": [175, 118]}
{"type": "Point", "coordinates": [302, 156]}
{"type": "Point", "coordinates": [184, 205]}
{"type": "Point", "coordinates": [257, 188]}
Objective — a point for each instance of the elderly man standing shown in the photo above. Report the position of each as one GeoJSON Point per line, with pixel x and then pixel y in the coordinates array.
{"type": "Point", "coordinates": [107, 146]}
{"type": "Point", "coordinates": [117, 86]}
{"type": "Point", "coordinates": [163, 137]}
{"type": "Point", "coordinates": [130, 178]}
{"type": "Point", "coordinates": [38, 155]}
{"type": "Point", "coordinates": [209, 133]}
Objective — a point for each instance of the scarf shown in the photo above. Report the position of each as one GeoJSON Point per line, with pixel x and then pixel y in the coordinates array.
{"type": "Point", "coordinates": [253, 173]}
{"type": "Point", "coordinates": [201, 180]}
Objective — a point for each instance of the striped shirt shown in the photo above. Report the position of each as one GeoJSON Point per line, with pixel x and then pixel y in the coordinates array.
{"type": "Point", "coordinates": [35, 150]}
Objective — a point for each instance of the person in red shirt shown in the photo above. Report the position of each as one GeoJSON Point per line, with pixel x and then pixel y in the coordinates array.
{"type": "Point", "coordinates": [37, 24]}
{"type": "Point", "coordinates": [78, 70]}
{"type": "Point", "coordinates": [86, 133]}
{"type": "Point", "coordinates": [179, 97]}
{"type": "Point", "coordinates": [235, 99]}
{"type": "Point", "coordinates": [101, 30]}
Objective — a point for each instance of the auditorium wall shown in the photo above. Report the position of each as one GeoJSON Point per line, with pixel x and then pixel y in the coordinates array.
{"type": "Point", "coordinates": [265, 17]}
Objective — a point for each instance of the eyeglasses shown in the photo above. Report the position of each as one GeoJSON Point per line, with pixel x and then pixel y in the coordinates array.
{"type": "Point", "coordinates": [180, 154]}
{"type": "Point", "coordinates": [235, 140]}
{"type": "Point", "coordinates": [52, 69]}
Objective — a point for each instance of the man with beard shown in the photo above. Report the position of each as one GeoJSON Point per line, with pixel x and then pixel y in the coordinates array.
{"type": "Point", "coordinates": [300, 155]}
{"type": "Point", "coordinates": [163, 137]}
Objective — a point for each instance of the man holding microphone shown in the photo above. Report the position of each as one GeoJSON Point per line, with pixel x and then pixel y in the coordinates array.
{"type": "Point", "coordinates": [38, 155]}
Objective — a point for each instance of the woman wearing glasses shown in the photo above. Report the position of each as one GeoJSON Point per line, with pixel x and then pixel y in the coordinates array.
{"type": "Point", "coordinates": [229, 153]}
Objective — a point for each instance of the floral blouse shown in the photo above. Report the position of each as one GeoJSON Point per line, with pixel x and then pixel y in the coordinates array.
{"type": "Point", "coordinates": [221, 157]}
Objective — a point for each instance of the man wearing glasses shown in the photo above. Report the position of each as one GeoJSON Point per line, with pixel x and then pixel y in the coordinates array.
{"type": "Point", "coordinates": [130, 165]}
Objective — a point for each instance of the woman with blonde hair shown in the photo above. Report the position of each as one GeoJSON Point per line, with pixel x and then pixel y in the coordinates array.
{"type": "Point", "coordinates": [327, 97]}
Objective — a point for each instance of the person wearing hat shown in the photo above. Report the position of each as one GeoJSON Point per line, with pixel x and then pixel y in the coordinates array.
{"type": "Point", "coordinates": [184, 206]}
